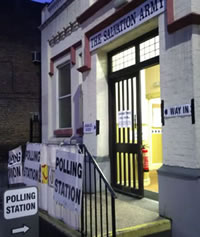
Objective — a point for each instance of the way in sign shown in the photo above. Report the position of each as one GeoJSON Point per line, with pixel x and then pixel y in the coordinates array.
{"type": "Point", "coordinates": [175, 111]}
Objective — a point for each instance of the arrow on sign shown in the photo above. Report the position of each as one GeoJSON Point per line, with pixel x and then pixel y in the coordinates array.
{"type": "Point", "coordinates": [23, 229]}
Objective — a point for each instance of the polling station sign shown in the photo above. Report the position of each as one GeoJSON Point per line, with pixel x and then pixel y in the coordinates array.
{"type": "Point", "coordinates": [15, 174]}
{"type": "Point", "coordinates": [32, 169]}
{"type": "Point", "coordinates": [21, 202]}
{"type": "Point", "coordinates": [68, 180]}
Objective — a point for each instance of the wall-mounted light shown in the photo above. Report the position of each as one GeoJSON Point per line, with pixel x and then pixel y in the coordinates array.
{"type": "Point", "coordinates": [36, 57]}
{"type": "Point", "coordinates": [35, 116]}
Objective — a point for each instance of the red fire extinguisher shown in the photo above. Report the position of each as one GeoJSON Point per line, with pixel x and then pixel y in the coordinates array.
{"type": "Point", "coordinates": [145, 160]}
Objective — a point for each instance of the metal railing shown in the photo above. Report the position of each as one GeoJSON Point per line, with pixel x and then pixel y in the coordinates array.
{"type": "Point", "coordinates": [98, 200]}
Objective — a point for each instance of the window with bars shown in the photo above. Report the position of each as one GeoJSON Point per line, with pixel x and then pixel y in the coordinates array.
{"type": "Point", "coordinates": [123, 59]}
{"type": "Point", "coordinates": [149, 49]}
{"type": "Point", "coordinates": [64, 95]}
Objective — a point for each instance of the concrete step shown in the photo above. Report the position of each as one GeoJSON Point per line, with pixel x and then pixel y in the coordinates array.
{"type": "Point", "coordinates": [159, 228]}
{"type": "Point", "coordinates": [52, 227]}
{"type": "Point", "coordinates": [134, 218]}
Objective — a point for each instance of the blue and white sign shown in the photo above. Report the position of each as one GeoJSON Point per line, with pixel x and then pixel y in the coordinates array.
{"type": "Point", "coordinates": [141, 14]}
{"type": "Point", "coordinates": [89, 128]}
{"type": "Point", "coordinates": [178, 111]}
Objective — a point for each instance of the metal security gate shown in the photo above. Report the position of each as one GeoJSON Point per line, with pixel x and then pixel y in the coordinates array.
{"type": "Point", "coordinates": [125, 118]}
{"type": "Point", "coordinates": [126, 141]}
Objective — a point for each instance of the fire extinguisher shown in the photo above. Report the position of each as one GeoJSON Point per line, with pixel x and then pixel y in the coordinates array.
{"type": "Point", "coordinates": [145, 160]}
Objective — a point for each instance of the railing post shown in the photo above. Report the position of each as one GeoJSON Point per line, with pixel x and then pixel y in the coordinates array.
{"type": "Point", "coordinates": [113, 217]}
{"type": "Point", "coordinates": [87, 230]}
{"type": "Point", "coordinates": [82, 216]}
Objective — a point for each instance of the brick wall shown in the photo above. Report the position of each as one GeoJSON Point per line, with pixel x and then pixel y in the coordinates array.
{"type": "Point", "coordinates": [19, 77]}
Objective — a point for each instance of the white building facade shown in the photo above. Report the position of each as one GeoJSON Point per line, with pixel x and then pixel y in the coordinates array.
{"type": "Point", "coordinates": [118, 75]}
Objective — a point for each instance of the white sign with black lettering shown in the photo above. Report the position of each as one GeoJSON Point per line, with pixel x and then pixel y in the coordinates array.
{"type": "Point", "coordinates": [15, 174]}
{"type": "Point", "coordinates": [178, 111]}
{"type": "Point", "coordinates": [68, 180]}
{"type": "Point", "coordinates": [89, 128]}
{"type": "Point", "coordinates": [125, 119]}
{"type": "Point", "coordinates": [32, 172]}
{"type": "Point", "coordinates": [20, 203]}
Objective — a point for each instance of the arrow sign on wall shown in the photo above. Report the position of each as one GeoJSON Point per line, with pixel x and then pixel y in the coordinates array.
{"type": "Point", "coordinates": [23, 229]}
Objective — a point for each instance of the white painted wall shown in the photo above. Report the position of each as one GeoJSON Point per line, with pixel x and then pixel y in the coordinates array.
{"type": "Point", "coordinates": [89, 104]}
{"type": "Point", "coordinates": [46, 109]}
{"type": "Point", "coordinates": [178, 84]}
{"type": "Point", "coordinates": [196, 6]}
{"type": "Point", "coordinates": [181, 8]}
{"type": "Point", "coordinates": [102, 104]}
{"type": "Point", "coordinates": [196, 77]}
{"type": "Point", "coordinates": [49, 84]}
{"type": "Point", "coordinates": [91, 85]}
{"type": "Point", "coordinates": [185, 7]}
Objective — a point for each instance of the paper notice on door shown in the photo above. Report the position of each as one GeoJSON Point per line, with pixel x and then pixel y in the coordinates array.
{"type": "Point", "coordinates": [125, 119]}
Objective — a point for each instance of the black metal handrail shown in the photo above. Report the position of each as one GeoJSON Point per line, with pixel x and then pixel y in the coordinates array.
{"type": "Point", "coordinates": [98, 200]}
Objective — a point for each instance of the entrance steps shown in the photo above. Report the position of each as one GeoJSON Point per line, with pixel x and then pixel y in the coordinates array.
{"type": "Point", "coordinates": [158, 228]}
{"type": "Point", "coordinates": [134, 218]}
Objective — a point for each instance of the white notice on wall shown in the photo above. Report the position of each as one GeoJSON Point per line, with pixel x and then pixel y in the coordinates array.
{"type": "Point", "coordinates": [178, 111]}
{"type": "Point", "coordinates": [89, 128]}
{"type": "Point", "coordinates": [68, 180]}
{"type": "Point", "coordinates": [125, 119]}
{"type": "Point", "coordinates": [15, 166]}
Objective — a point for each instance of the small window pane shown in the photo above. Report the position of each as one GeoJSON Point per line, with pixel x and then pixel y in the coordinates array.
{"type": "Point", "coordinates": [65, 112]}
{"type": "Point", "coordinates": [123, 59]}
{"type": "Point", "coordinates": [149, 49]}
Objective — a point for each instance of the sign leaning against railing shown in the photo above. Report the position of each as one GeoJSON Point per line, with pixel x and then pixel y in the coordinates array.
{"type": "Point", "coordinates": [69, 180]}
